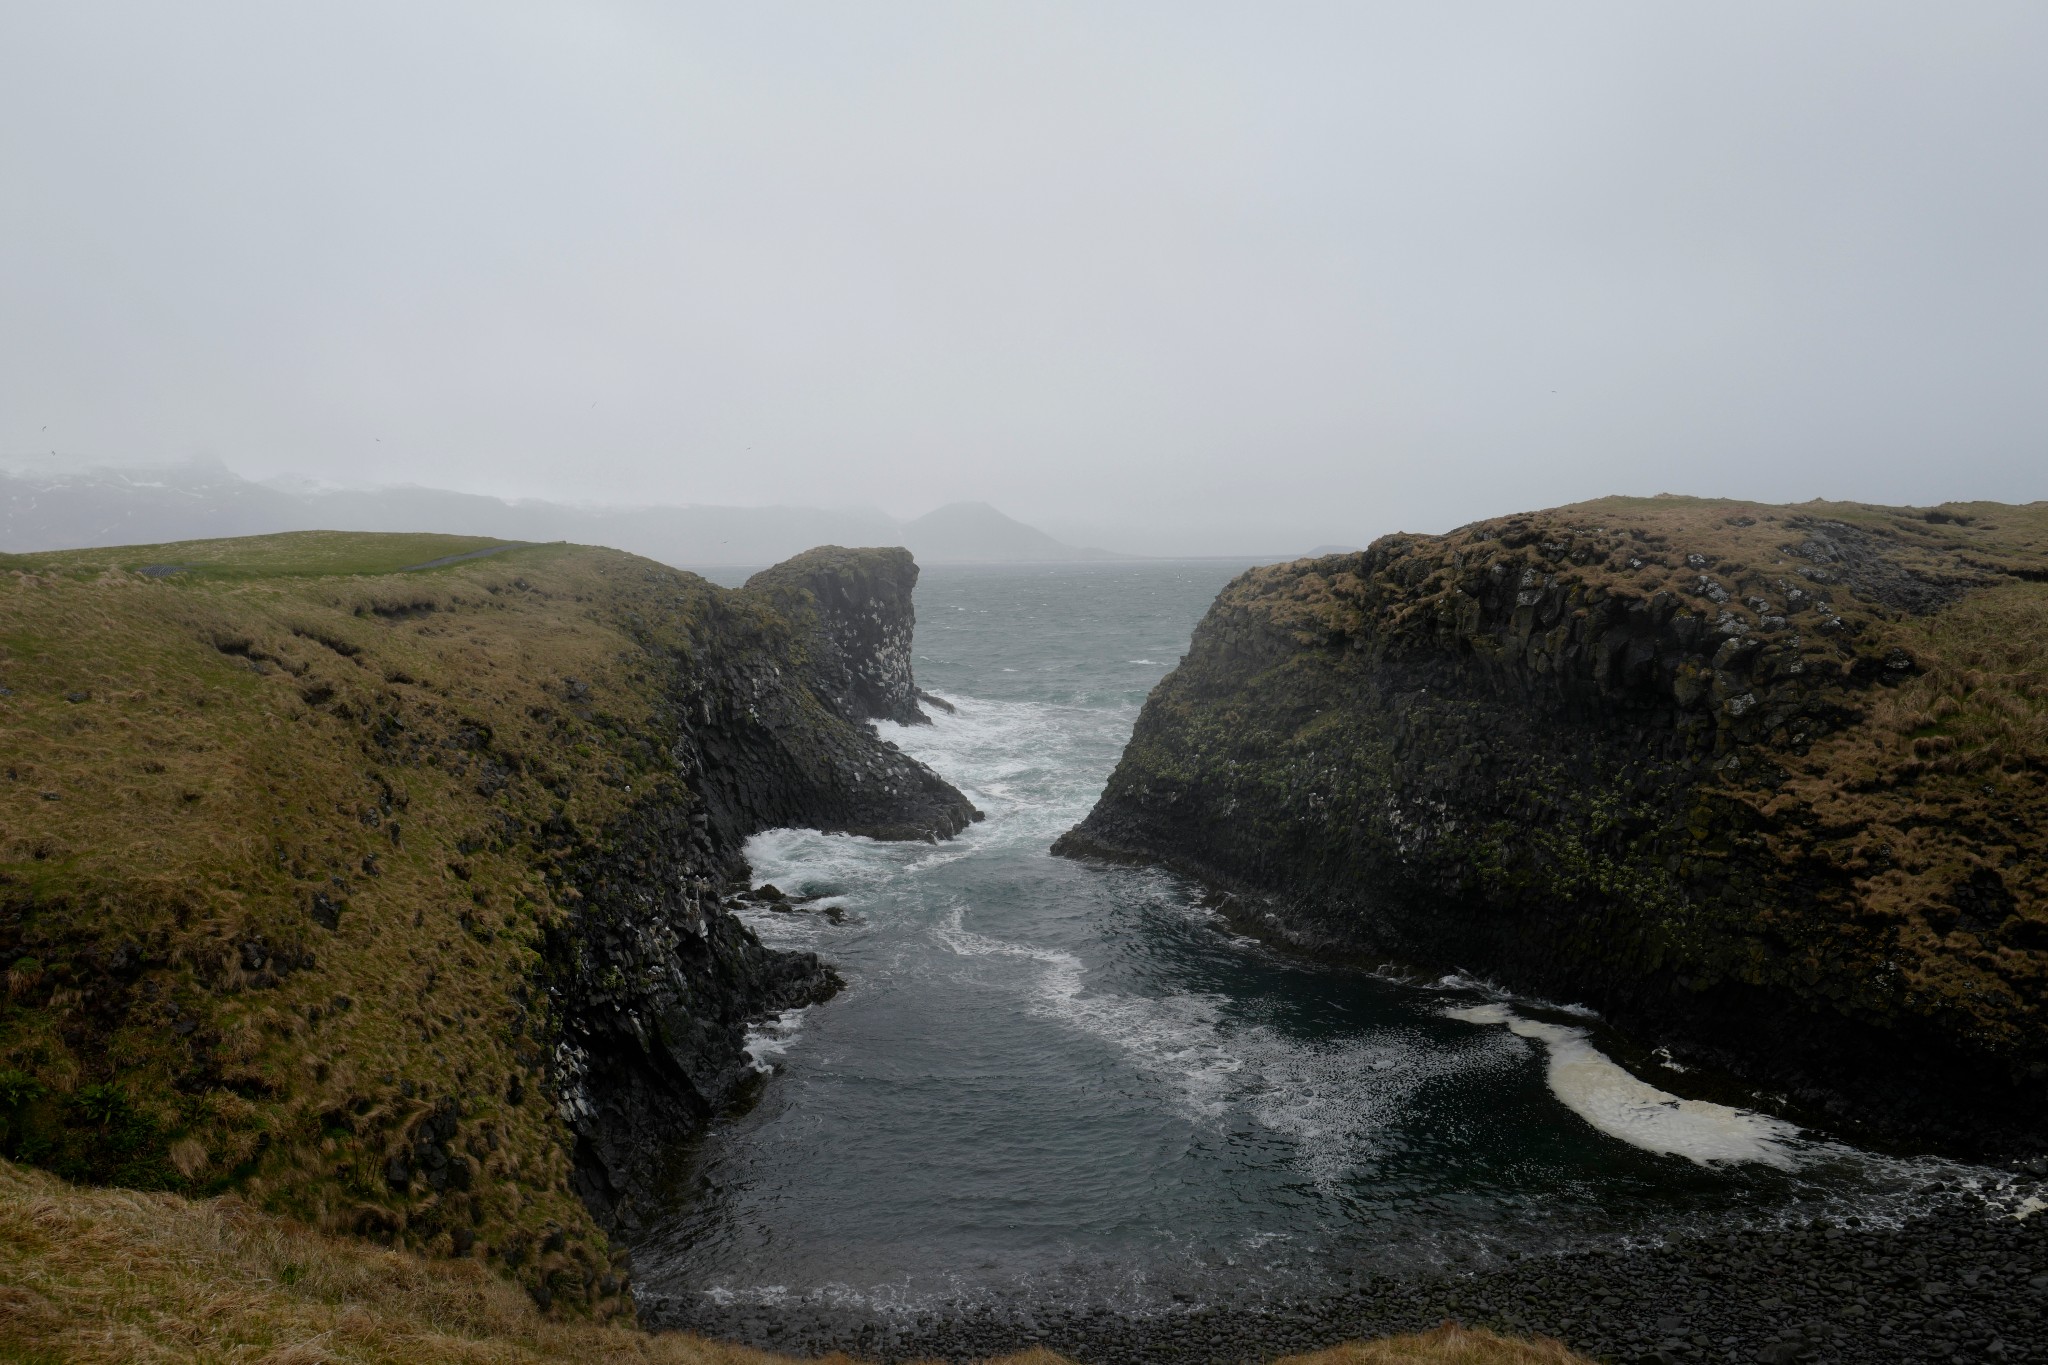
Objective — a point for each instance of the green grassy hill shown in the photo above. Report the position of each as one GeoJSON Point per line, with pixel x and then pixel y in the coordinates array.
{"type": "Point", "coordinates": [318, 850]}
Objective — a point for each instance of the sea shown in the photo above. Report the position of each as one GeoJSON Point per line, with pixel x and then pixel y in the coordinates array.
{"type": "Point", "coordinates": [1059, 1084]}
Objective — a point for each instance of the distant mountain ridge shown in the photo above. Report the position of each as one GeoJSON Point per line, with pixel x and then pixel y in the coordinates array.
{"type": "Point", "coordinates": [205, 499]}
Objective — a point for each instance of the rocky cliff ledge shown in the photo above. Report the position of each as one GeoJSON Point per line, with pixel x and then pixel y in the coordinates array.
{"type": "Point", "coordinates": [1769, 784]}
{"type": "Point", "coordinates": [384, 879]}
{"type": "Point", "coordinates": [854, 606]}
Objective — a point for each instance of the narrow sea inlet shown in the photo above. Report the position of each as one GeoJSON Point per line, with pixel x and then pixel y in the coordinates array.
{"type": "Point", "coordinates": [1054, 1086]}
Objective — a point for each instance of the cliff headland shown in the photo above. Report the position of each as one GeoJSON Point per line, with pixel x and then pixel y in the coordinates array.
{"type": "Point", "coordinates": [1767, 783]}
{"type": "Point", "coordinates": [382, 879]}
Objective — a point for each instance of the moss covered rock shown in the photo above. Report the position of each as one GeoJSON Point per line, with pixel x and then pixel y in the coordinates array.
{"type": "Point", "coordinates": [1768, 782]}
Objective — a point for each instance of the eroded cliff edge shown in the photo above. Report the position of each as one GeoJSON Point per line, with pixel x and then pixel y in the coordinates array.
{"type": "Point", "coordinates": [652, 979]}
{"type": "Point", "coordinates": [1767, 783]}
{"type": "Point", "coordinates": [383, 879]}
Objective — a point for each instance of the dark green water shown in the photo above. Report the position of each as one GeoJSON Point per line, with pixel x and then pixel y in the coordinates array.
{"type": "Point", "coordinates": [1051, 1082]}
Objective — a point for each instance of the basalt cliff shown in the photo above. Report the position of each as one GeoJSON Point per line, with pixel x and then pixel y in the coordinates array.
{"type": "Point", "coordinates": [385, 880]}
{"type": "Point", "coordinates": [1768, 785]}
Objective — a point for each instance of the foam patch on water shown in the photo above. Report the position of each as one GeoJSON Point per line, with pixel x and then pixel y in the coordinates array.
{"type": "Point", "coordinates": [1036, 766]}
{"type": "Point", "coordinates": [1174, 1040]}
{"type": "Point", "coordinates": [1479, 985]}
{"type": "Point", "coordinates": [1033, 768]}
{"type": "Point", "coordinates": [767, 1042]}
{"type": "Point", "coordinates": [1335, 1098]}
{"type": "Point", "coordinates": [1592, 1086]}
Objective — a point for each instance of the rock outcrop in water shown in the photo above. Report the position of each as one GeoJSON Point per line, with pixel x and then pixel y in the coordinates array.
{"type": "Point", "coordinates": [855, 608]}
{"type": "Point", "coordinates": [1769, 783]}
{"type": "Point", "coordinates": [380, 878]}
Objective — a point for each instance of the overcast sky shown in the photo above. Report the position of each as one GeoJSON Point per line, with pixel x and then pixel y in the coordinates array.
{"type": "Point", "coordinates": [1174, 276]}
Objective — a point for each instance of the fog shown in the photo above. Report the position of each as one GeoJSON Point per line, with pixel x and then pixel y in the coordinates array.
{"type": "Point", "coordinates": [1162, 278]}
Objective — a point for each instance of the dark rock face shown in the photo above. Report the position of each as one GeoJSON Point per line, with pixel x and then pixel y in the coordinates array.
{"type": "Point", "coordinates": [1596, 754]}
{"type": "Point", "coordinates": [858, 606]}
{"type": "Point", "coordinates": [653, 981]}
{"type": "Point", "coordinates": [1862, 560]}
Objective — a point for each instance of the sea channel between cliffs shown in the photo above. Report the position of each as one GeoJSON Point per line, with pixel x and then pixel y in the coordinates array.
{"type": "Point", "coordinates": [1070, 1103]}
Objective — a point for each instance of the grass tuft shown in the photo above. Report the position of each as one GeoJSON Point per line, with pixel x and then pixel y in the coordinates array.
{"type": "Point", "coordinates": [1449, 1344]}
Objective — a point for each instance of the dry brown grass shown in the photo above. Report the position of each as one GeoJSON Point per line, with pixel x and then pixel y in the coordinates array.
{"type": "Point", "coordinates": [103, 1275]}
{"type": "Point", "coordinates": [1449, 1344]}
{"type": "Point", "coordinates": [1943, 786]}
{"type": "Point", "coordinates": [100, 1276]}
{"type": "Point", "coordinates": [1979, 703]}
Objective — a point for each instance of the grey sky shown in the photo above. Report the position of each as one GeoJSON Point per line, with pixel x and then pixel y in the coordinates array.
{"type": "Point", "coordinates": [1165, 277]}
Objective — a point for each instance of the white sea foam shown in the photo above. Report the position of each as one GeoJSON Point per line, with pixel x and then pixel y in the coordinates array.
{"type": "Point", "coordinates": [1334, 1098]}
{"type": "Point", "coordinates": [1041, 761]}
{"type": "Point", "coordinates": [1022, 762]}
{"type": "Point", "coordinates": [1479, 985]}
{"type": "Point", "coordinates": [1025, 764]}
{"type": "Point", "coordinates": [1592, 1086]}
{"type": "Point", "coordinates": [767, 1042]}
{"type": "Point", "coordinates": [1175, 1039]}
{"type": "Point", "coordinates": [1017, 761]}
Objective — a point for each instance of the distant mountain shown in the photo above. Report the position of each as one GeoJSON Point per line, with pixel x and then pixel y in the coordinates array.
{"type": "Point", "coordinates": [968, 532]}
{"type": "Point", "coordinates": [136, 506]}
{"type": "Point", "coordinates": [204, 498]}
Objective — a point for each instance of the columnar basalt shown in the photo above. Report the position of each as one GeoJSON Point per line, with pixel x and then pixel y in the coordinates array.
{"type": "Point", "coordinates": [655, 977]}
{"type": "Point", "coordinates": [855, 605]}
{"type": "Point", "coordinates": [1767, 782]}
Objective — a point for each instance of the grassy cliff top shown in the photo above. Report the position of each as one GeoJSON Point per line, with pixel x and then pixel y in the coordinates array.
{"type": "Point", "coordinates": [279, 854]}
{"type": "Point", "coordinates": [1850, 559]}
{"type": "Point", "coordinates": [294, 554]}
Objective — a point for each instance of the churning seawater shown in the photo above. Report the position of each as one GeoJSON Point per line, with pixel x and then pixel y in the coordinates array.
{"type": "Point", "coordinates": [1051, 1082]}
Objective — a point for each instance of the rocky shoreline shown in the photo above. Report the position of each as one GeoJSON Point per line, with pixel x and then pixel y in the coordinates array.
{"type": "Point", "coordinates": [1955, 1283]}
{"type": "Point", "coordinates": [653, 978]}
